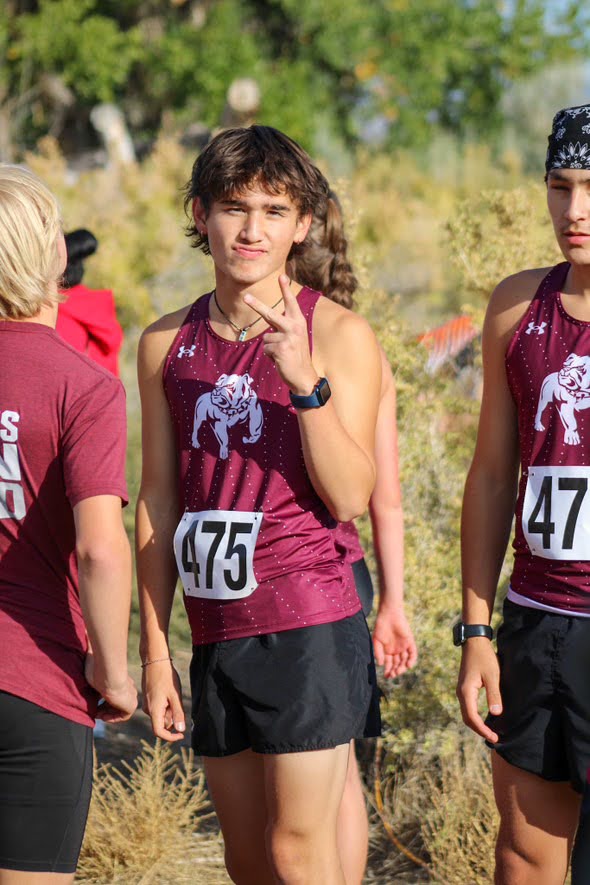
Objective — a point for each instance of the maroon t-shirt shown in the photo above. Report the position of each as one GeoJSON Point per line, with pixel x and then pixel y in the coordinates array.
{"type": "Point", "coordinates": [548, 371]}
{"type": "Point", "coordinates": [62, 439]}
{"type": "Point", "coordinates": [255, 546]}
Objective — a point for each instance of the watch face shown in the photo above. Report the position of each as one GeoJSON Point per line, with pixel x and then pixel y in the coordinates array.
{"type": "Point", "coordinates": [323, 391]}
{"type": "Point", "coordinates": [458, 633]}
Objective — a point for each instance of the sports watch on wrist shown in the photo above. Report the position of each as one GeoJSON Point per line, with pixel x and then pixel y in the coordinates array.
{"type": "Point", "coordinates": [462, 632]}
{"type": "Point", "coordinates": [317, 398]}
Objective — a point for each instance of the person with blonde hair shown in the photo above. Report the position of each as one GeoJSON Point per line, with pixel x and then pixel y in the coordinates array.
{"type": "Point", "coordinates": [325, 267]}
{"type": "Point", "coordinates": [65, 580]}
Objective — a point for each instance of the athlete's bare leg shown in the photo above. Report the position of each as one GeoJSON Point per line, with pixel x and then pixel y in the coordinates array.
{"type": "Point", "coordinates": [538, 821]}
{"type": "Point", "coordinates": [303, 795]}
{"type": "Point", "coordinates": [278, 815]}
{"type": "Point", "coordinates": [19, 877]}
{"type": "Point", "coordinates": [353, 825]}
{"type": "Point", "coordinates": [236, 785]}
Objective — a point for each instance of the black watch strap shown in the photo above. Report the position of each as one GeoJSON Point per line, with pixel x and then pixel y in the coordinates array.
{"type": "Point", "coordinates": [462, 632]}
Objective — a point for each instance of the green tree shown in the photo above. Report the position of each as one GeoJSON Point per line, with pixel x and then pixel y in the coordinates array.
{"type": "Point", "coordinates": [331, 65]}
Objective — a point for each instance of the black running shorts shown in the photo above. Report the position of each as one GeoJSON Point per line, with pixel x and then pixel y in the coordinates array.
{"type": "Point", "coordinates": [307, 689]}
{"type": "Point", "coordinates": [364, 585]}
{"type": "Point", "coordinates": [45, 787]}
{"type": "Point", "coordinates": [544, 665]}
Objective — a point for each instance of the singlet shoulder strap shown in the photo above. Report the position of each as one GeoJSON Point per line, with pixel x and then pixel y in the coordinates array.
{"type": "Point", "coordinates": [552, 281]}
{"type": "Point", "coordinates": [307, 300]}
{"type": "Point", "coordinates": [197, 312]}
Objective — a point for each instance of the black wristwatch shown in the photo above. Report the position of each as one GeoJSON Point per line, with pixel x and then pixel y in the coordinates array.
{"type": "Point", "coordinates": [318, 397]}
{"type": "Point", "coordinates": [462, 632]}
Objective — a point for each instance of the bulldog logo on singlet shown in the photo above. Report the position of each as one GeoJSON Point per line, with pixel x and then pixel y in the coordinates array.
{"type": "Point", "coordinates": [232, 401]}
{"type": "Point", "coordinates": [569, 389]}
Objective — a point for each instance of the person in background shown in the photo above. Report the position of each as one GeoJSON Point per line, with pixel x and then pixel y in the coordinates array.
{"type": "Point", "coordinates": [65, 576]}
{"type": "Point", "coordinates": [325, 267]}
{"type": "Point", "coordinates": [87, 318]}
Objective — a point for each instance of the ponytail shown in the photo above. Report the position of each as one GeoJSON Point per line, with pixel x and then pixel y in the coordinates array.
{"type": "Point", "coordinates": [323, 263]}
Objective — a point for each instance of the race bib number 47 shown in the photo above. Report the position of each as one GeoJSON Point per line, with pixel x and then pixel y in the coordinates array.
{"type": "Point", "coordinates": [214, 552]}
{"type": "Point", "coordinates": [556, 512]}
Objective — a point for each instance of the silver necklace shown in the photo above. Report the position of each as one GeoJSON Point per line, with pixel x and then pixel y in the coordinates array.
{"type": "Point", "coordinates": [241, 330]}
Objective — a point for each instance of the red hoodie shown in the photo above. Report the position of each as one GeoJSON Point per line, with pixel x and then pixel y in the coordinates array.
{"type": "Point", "coordinates": [88, 321]}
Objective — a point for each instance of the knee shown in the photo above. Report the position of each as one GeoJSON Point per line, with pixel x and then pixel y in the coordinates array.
{"type": "Point", "coordinates": [292, 855]}
{"type": "Point", "coordinates": [515, 866]}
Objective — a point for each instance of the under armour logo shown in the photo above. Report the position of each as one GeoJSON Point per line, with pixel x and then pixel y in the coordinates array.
{"type": "Point", "coordinates": [186, 351]}
{"type": "Point", "coordinates": [540, 330]}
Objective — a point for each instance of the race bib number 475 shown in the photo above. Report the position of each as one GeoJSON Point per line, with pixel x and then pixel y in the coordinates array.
{"type": "Point", "coordinates": [556, 512]}
{"type": "Point", "coordinates": [214, 552]}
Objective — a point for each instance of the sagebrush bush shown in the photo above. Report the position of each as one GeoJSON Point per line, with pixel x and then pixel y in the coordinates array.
{"type": "Point", "coordinates": [144, 820]}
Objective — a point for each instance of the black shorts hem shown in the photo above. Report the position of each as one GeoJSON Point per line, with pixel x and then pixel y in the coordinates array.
{"type": "Point", "coordinates": [531, 769]}
{"type": "Point", "coordinates": [26, 866]}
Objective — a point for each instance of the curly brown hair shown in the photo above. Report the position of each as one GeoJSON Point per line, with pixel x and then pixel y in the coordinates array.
{"type": "Point", "coordinates": [324, 264]}
{"type": "Point", "coordinates": [236, 159]}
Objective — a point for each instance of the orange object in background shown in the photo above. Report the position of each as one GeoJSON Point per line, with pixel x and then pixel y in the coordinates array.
{"type": "Point", "coordinates": [447, 341]}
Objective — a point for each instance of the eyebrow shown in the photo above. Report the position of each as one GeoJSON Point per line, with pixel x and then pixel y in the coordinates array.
{"type": "Point", "coordinates": [556, 176]}
{"type": "Point", "coordinates": [243, 203]}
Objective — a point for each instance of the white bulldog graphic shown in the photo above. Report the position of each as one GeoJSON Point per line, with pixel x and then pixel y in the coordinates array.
{"type": "Point", "coordinates": [232, 401]}
{"type": "Point", "coordinates": [570, 390]}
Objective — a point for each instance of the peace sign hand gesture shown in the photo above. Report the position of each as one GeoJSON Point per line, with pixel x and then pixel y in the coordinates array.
{"type": "Point", "coordinates": [287, 343]}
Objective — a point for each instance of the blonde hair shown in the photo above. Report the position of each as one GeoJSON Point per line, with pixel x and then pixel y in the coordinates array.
{"type": "Point", "coordinates": [30, 225]}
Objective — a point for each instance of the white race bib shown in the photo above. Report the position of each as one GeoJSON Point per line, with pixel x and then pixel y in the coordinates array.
{"type": "Point", "coordinates": [214, 552]}
{"type": "Point", "coordinates": [556, 512]}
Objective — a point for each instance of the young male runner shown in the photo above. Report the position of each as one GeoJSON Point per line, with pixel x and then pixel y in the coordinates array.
{"type": "Point", "coordinates": [65, 563]}
{"type": "Point", "coordinates": [250, 454]}
{"type": "Point", "coordinates": [536, 392]}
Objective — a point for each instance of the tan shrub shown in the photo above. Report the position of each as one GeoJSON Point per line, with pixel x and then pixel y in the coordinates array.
{"type": "Point", "coordinates": [145, 820]}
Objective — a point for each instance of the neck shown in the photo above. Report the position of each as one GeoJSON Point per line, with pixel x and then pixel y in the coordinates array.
{"type": "Point", "coordinates": [47, 316]}
{"type": "Point", "coordinates": [577, 281]}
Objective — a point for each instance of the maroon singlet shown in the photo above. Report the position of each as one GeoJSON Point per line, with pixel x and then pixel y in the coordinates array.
{"type": "Point", "coordinates": [255, 546]}
{"type": "Point", "coordinates": [347, 540]}
{"type": "Point", "coordinates": [548, 370]}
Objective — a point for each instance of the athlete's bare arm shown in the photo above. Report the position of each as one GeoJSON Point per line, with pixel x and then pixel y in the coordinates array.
{"type": "Point", "coordinates": [393, 641]}
{"type": "Point", "coordinates": [104, 568]}
{"type": "Point", "coordinates": [338, 439]}
{"type": "Point", "coordinates": [490, 495]}
{"type": "Point", "coordinates": [156, 520]}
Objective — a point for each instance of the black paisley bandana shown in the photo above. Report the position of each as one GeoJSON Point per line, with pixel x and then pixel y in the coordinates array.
{"type": "Point", "coordinates": [569, 142]}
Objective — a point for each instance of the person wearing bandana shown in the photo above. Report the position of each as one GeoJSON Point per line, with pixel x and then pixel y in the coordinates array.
{"type": "Point", "coordinates": [532, 464]}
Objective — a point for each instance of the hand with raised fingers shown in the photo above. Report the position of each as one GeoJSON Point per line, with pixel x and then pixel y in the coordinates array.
{"type": "Point", "coordinates": [479, 669]}
{"type": "Point", "coordinates": [287, 343]}
{"type": "Point", "coordinates": [162, 700]}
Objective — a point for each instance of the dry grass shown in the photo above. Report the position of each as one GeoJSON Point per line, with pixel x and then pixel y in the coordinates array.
{"type": "Point", "coordinates": [146, 822]}
{"type": "Point", "coordinates": [460, 818]}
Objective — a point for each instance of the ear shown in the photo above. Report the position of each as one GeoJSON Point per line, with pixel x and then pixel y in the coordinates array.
{"type": "Point", "coordinates": [200, 216]}
{"type": "Point", "coordinates": [302, 228]}
{"type": "Point", "coordinates": [221, 380]}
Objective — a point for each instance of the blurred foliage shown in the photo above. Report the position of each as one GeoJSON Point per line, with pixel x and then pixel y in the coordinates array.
{"type": "Point", "coordinates": [391, 70]}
